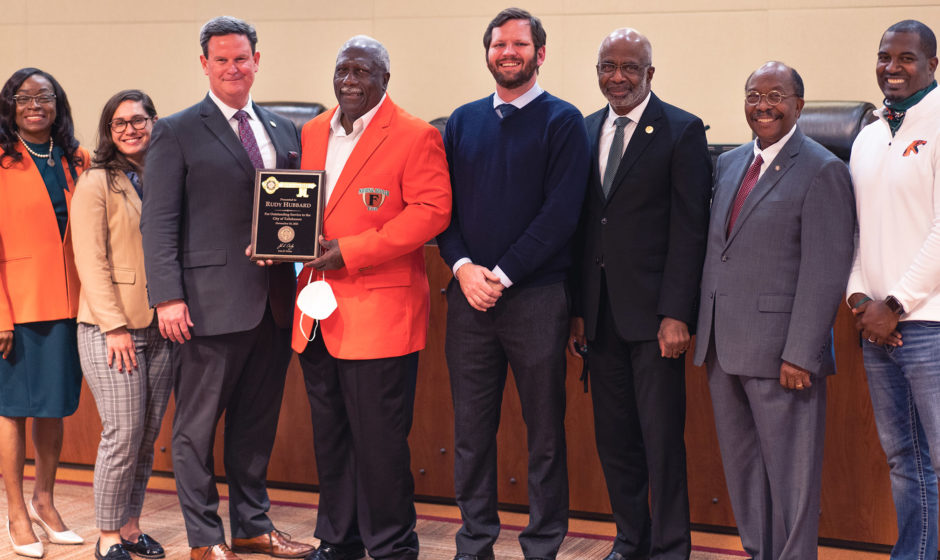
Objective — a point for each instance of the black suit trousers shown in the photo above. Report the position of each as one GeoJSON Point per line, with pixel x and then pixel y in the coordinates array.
{"type": "Point", "coordinates": [241, 374]}
{"type": "Point", "coordinates": [362, 412]}
{"type": "Point", "coordinates": [639, 425]}
{"type": "Point", "coordinates": [526, 329]}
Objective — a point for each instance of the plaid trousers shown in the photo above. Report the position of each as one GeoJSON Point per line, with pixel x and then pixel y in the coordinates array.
{"type": "Point", "coordinates": [131, 406]}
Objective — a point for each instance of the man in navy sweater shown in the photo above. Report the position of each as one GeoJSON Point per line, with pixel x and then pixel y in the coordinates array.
{"type": "Point", "coordinates": [519, 164]}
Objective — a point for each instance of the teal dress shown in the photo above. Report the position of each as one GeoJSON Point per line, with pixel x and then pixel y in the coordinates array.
{"type": "Point", "coordinates": [42, 376]}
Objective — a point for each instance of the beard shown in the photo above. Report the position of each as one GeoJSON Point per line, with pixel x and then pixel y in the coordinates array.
{"type": "Point", "coordinates": [524, 74]}
{"type": "Point", "coordinates": [634, 97]}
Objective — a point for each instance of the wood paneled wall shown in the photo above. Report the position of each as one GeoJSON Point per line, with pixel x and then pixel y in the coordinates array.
{"type": "Point", "coordinates": [856, 501]}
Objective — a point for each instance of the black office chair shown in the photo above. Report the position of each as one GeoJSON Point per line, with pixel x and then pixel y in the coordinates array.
{"type": "Point", "coordinates": [835, 124]}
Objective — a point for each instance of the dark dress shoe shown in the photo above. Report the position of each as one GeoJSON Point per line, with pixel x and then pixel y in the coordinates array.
{"type": "Point", "coordinates": [615, 556]}
{"type": "Point", "coordinates": [329, 551]}
{"type": "Point", "coordinates": [214, 552]}
{"type": "Point", "coordinates": [116, 552]}
{"type": "Point", "coordinates": [145, 547]}
{"type": "Point", "coordinates": [276, 543]}
{"type": "Point", "coordinates": [465, 556]}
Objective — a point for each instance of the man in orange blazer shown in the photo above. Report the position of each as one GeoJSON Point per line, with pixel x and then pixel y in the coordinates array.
{"type": "Point", "coordinates": [388, 192]}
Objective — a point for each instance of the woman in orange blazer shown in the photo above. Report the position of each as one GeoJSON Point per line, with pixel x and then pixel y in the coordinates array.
{"type": "Point", "coordinates": [40, 376]}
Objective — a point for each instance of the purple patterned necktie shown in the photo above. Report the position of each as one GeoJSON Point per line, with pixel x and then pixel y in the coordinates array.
{"type": "Point", "coordinates": [747, 185]}
{"type": "Point", "coordinates": [248, 139]}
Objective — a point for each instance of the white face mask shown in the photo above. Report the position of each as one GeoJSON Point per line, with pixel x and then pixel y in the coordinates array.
{"type": "Point", "coordinates": [316, 300]}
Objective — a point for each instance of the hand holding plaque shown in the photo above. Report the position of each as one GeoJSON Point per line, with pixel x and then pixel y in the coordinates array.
{"type": "Point", "coordinates": [287, 216]}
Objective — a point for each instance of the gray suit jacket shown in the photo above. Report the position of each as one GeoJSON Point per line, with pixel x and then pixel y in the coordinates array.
{"type": "Point", "coordinates": [196, 220]}
{"type": "Point", "coordinates": [771, 289]}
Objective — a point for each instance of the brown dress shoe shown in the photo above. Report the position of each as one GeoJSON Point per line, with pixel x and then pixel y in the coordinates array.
{"type": "Point", "coordinates": [214, 552]}
{"type": "Point", "coordinates": [276, 543]}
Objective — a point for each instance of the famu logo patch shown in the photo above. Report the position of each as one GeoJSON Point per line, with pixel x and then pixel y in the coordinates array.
{"type": "Point", "coordinates": [914, 147]}
{"type": "Point", "coordinates": [373, 197]}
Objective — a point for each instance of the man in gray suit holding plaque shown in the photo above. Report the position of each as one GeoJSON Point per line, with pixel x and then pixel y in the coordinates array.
{"type": "Point", "coordinates": [230, 318]}
{"type": "Point", "coordinates": [780, 245]}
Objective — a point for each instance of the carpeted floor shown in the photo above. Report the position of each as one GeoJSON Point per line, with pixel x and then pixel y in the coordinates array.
{"type": "Point", "coordinates": [162, 520]}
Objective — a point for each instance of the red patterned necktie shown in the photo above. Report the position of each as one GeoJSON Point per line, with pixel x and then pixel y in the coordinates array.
{"type": "Point", "coordinates": [248, 139]}
{"type": "Point", "coordinates": [747, 185]}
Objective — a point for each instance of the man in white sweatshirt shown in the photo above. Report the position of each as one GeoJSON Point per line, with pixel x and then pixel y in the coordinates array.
{"type": "Point", "coordinates": [894, 288]}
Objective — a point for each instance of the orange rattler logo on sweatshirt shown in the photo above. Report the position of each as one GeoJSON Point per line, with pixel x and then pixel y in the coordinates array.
{"type": "Point", "coordinates": [913, 148]}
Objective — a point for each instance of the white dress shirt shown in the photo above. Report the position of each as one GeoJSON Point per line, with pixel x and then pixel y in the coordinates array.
{"type": "Point", "coordinates": [608, 129]}
{"type": "Point", "coordinates": [268, 154]}
{"type": "Point", "coordinates": [340, 145]}
{"type": "Point", "coordinates": [770, 152]}
{"type": "Point", "coordinates": [522, 100]}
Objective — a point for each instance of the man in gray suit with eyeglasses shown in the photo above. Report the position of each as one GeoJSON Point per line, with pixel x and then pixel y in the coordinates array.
{"type": "Point", "coordinates": [780, 246]}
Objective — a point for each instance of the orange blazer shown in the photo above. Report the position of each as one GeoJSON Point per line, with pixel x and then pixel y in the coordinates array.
{"type": "Point", "coordinates": [391, 198]}
{"type": "Point", "coordinates": [38, 281]}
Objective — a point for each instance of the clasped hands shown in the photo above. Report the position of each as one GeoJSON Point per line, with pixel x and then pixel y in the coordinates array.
{"type": "Point", "coordinates": [875, 321]}
{"type": "Point", "coordinates": [480, 285]}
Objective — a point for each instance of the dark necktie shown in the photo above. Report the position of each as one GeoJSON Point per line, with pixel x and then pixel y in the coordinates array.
{"type": "Point", "coordinates": [505, 109]}
{"type": "Point", "coordinates": [747, 185]}
{"type": "Point", "coordinates": [248, 139]}
{"type": "Point", "coordinates": [615, 154]}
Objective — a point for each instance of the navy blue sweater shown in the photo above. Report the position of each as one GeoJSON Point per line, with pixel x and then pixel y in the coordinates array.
{"type": "Point", "coordinates": [518, 187]}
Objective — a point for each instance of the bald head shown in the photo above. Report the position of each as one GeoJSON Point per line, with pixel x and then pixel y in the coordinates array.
{"type": "Point", "coordinates": [796, 82]}
{"type": "Point", "coordinates": [627, 36]}
{"type": "Point", "coordinates": [624, 69]}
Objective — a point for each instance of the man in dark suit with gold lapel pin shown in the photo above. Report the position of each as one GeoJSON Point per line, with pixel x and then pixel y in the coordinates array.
{"type": "Point", "coordinates": [641, 246]}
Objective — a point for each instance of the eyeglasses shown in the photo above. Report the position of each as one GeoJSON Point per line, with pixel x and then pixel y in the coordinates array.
{"type": "Point", "coordinates": [773, 97]}
{"type": "Point", "coordinates": [630, 69]}
{"type": "Point", "coordinates": [27, 100]}
{"type": "Point", "coordinates": [120, 125]}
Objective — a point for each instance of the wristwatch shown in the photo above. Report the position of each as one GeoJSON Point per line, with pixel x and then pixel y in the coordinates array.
{"type": "Point", "coordinates": [894, 305]}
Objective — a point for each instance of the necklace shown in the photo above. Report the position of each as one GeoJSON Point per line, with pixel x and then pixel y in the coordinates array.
{"type": "Point", "coordinates": [48, 157]}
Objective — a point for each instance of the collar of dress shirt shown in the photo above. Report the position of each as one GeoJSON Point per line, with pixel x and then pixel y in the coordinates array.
{"type": "Point", "coordinates": [359, 124]}
{"type": "Point", "coordinates": [522, 100]}
{"type": "Point", "coordinates": [770, 152]}
{"type": "Point", "coordinates": [229, 112]}
{"type": "Point", "coordinates": [634, 114]}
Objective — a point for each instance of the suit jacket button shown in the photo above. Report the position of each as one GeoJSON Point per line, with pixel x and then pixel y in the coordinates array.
{"type": "Point", "coordinates": [603, 221]}
{"type": "Point", "coordinates": [724, 258]}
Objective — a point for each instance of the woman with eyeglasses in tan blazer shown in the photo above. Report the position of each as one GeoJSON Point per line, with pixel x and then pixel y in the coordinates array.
{"type": "Point", "coordinates": [126, 362]}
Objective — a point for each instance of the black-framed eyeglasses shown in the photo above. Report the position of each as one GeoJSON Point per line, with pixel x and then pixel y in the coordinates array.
{"type": "Point", "coordinates": [773, 97]}
{"type": "Point", "coordinates": [629, 68]}
{"type": "Point", "coordinates": [27, 100]}
{"type": "Point", "coordinates": [120, 125]}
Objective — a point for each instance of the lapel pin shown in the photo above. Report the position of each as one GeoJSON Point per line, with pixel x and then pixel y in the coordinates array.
{"type": "Point", "coordinates": [273, 124]}
{"type": "Point", "coordinates": [776, 168]}
{"type": "Point", "coordinates": [649, 129]}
